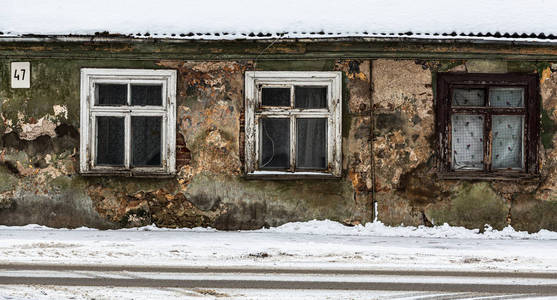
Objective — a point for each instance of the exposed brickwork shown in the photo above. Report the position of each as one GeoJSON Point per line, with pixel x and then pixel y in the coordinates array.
{"type": "Point", "coordinates": [183, 154]}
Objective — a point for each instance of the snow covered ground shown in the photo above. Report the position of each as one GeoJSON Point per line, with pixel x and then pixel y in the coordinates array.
{"type": "Point", "coordinates": [78, 293]}
{"type": "Point", "coordinates": [314, 244]}
{"type": "Point", "coordinates": [306, 247]}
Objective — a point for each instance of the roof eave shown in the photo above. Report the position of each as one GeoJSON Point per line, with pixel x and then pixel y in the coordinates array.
{"type": "Point", "coordinates": [401, 39]}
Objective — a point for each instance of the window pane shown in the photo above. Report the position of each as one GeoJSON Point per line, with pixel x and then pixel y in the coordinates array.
{"type": "Point", "coordinates": [468, 97]}
{"type": "Point", "coordinates": [146, 141]}
{"type": "Point", "coordinates": [275, 97]}
{"type": "Point", "coordinates": [506, 97]}
{"type": "Point", "coordinates": [467, 141]}
{"type": "Point", "coordinates": [111, 94]}
{"type": "Point", "coordinates": [146, 94]}
{"type": "Point", "coordinates": [311, 141]}
{"type": "Point", "coordinates": [507, 141]}
{"type": "Point", "coordinates": [110, 141]}
{"type": "Point", "coordinates": [275, 143]}
{"type": "Point", "coordinates": [310, 97]}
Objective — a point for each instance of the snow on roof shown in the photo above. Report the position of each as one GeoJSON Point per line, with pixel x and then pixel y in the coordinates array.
{"type": "Point", "coordinates": [531, 20]}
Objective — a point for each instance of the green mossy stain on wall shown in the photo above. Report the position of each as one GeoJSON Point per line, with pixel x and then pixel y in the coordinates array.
{"type": "Point", "coordinates": [7, 179]}
{"type": "Point", "coordinates": [531, 214]}
{"type": "Point", "coordinates": [548, 128]}
{"type": "Point", "coordinates": [445, 66]}
{"type": "Point", "coordinates": [53, 82]}
{"type": "Point", "coordinates": [296, 65]}
{"type": "Point", "coordinates": [271, 202]}
{"type": "Point", "coordinates": [132, 185]}
{"type": "Point", "coordinates": [486, 66]}
{"type": "Point", "coordinates": [473, 205]}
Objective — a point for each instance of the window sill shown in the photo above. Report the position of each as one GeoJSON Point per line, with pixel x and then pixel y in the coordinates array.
{"type": "Point", "coordinates": [128, 173]}
{"type": "Point", "coordinates": [281, 175]}
{"type": "Point", "coordinates": [476, 175]}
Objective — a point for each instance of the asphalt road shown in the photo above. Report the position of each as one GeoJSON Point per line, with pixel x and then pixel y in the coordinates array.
{"type": "Point", "coordinates": [285, 279]}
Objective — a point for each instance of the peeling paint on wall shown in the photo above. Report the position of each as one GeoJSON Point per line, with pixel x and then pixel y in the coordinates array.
{"type": "Point", "coordinates": [40, 158]}
{"type": "Point", "coordinates": [39, 139]}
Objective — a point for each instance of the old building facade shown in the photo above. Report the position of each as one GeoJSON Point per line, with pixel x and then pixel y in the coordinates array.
{"type": "Point", "coordinates": [255, 133]}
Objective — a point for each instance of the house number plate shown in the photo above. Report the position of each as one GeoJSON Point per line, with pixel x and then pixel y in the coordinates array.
{"type": "Point", "coordinates": [21, 75]}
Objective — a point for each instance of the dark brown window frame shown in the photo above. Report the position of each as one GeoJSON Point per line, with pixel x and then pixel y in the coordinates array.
{"type": "Point", "coordinates": [447, 81]}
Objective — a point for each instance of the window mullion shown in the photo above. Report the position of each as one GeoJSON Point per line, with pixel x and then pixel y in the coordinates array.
{"type": "Point", "coordinates": [127, 141]}
{"type": "Point", "coordinates": [488, 136]}
{"type": "Point", "coordinates": [92, 141]}
{"type": "Point", "coordinates": [292, 132]}
{"type": "Point", "coordinates": [486, 96]}
{"type": "Point", "coordinates": [128, 98]}
{"type": "Point", "coordinates": [292, 143]}
{"type": "Point", "coordinates": [292, 104]}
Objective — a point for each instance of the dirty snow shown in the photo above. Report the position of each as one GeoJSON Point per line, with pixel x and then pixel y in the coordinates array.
{"type": "Point", "coordinates": [79, 293]}
{"type": "Point", "coordinates": [297, 17]}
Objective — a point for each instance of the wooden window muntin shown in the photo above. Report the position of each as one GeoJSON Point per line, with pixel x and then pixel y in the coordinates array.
{"type": "Point", "coordinates": [90, 111]}
{"type": "Point", "coordinates": [255, 112]}
{"type": "Point", "coordinates": [445, 86]}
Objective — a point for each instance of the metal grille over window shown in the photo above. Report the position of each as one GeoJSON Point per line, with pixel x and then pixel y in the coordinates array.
{"type": "Point", "coordinates": [468, 97]}
{"type": "Point", "coordinates": [507, 142]}
{"type": "Point", "coordinates": [467, 144]}
{"type": "Point", "coordinates": [506, 97]}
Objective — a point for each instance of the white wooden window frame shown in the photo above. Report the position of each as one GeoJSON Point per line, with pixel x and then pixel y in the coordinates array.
{"type": "Point", "coordinates": [89, 111]}
{"type": "Point", "coordinates": [255, 81]}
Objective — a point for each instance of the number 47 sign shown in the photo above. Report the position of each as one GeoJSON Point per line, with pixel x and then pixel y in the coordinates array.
{"type": "Point", "coordinates": [21, 75]}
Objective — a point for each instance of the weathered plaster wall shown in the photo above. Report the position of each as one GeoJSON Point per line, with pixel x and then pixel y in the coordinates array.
{"type": "Point", "coordinates": [39, 139]}
{"type": "Point", "coordinates": [408, 190]}
{"type": "Point", "coordinates": [39, 136]}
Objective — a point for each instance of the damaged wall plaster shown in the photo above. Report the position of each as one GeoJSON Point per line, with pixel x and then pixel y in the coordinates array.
{"type": "Point", "coordinates": [40, 156]}
{"type": "Point", "coordinates": [408, 189]}
{"type": "Point", "coordinates": [39, 182]}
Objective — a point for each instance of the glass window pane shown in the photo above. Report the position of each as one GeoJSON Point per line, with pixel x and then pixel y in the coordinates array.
{"type": "Point", "coordinates": [110, 141]}
{"type": "Point", "coordinates": [467, 141]}
{"type": "Point", "coordinates": [506, 97]}
{"type": "Point", "coordinates": [146, 94]}
{"type": "Point", "coordinates": [275, 97]}
{"type": "Point", "coordinates": [507, 141]}
{"type": "Point", "coordinates": [311, 141]}
{"type": "Point", "coordinates": [310, 97]}
{"type": "Point", "coordinates": [275, 143]}
{"type": "Point", "coordinates": [146, 141]}
{"type": "Point", "coordinates": [468, 97]}
{"type": "Point", "coordinates": [111, 94]}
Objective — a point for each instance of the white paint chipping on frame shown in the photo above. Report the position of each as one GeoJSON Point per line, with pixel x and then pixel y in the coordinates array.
{"type": "Point", "coordinates": [88, 112]}
{"type": "Point", "coordinates": [333, 113]}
